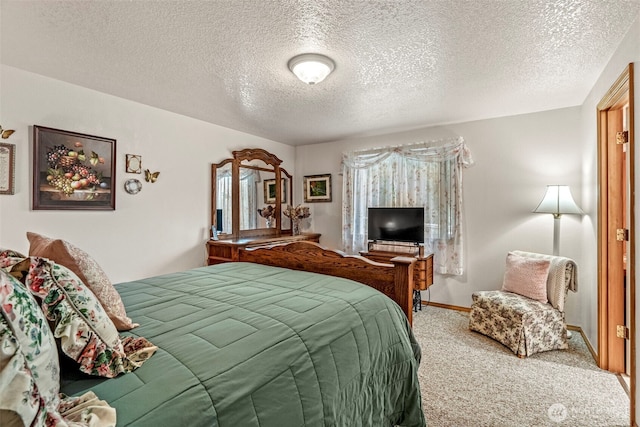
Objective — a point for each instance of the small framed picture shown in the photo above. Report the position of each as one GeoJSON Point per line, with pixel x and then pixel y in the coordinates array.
{"type": "Point", "coordinates": [7, 168]}
{"type": "Point", "coordinates": [270, 191]}
{"type": "Point", "coordinates": [72, 170]}
{"type": "Point", "coordinates": [134, 163]}
{"type": "Point", "coordinates": [317, 188]}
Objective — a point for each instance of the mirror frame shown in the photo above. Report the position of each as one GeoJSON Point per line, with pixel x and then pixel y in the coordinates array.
{"type": "Point", "coordinates": [289, 194]}
{"type": "Point", "coordinates": [249, 154]}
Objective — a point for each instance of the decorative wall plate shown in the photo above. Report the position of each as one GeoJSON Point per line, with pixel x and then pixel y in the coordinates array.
{"type": "Point", "coordinates": [133, 186]}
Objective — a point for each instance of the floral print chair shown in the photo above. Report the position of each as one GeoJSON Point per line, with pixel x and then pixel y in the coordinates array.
{"type": "Point", "coordinates": [527, 314]}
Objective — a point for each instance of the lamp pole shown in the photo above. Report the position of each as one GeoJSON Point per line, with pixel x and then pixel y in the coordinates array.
{"type": "Point", "coordinates": [556, 234]}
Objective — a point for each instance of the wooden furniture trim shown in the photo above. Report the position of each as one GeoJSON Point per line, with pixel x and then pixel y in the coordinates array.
{"type": "Point", "coordinates": [236, 162]}
{"type": "Point", "coordinates": [227, 250]}
{"type": "Point", "coordinates": [607, 310]}
{"type": "Point", "coordinates": [423, 270]}
{"type": "Point", "coordinates": [394, 280]}
{"type": "Point", "coordinates": [605, 231]}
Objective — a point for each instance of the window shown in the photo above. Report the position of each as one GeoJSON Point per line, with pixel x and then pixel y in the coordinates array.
{"type": "Point", "coordinates": [427, 174]}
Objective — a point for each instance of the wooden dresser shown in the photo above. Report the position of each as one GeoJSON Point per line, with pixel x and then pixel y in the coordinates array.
{"type": "Point", "coordinates": [219, 251]}
{"type": "Point", "coordinates": [423, 270]}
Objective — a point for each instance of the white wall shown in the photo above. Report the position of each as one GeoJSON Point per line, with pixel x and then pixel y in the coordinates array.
{"type": "Point", "coordinates": [515, 158]}
{"type": "Point", "coordinates": [161, 229]}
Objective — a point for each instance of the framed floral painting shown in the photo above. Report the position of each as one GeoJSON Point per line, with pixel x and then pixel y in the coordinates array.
{"type": "Point", "coordinates": [73, 170]}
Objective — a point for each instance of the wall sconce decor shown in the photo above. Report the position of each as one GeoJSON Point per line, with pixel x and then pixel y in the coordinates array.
{"type": "Point", "coordinates": [6, 133]}
{"type": "Point", "coordinates": [134, 163]}
{"type": "Point", "coordinates": [150, 176]}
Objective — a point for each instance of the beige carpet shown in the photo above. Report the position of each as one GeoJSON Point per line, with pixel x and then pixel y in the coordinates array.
{"type": "Point", "coordinates": [468, 379]}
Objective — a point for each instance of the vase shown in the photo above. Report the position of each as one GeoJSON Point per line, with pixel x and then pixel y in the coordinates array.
{"type": "Point", "coordinates": [269, 221]}
{"type": "Point", "coordinates": [295, 228]}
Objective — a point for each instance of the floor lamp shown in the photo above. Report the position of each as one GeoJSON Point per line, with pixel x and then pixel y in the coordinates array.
{"type": "Point", "coordinates": [557, 201]}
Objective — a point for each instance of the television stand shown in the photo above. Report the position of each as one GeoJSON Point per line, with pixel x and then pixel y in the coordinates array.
{"type": "Point", "coordinates": [383, 251]}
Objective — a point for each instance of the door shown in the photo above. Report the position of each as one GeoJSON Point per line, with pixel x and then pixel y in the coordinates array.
{"type": "Point", "coordinates": [616, 254]}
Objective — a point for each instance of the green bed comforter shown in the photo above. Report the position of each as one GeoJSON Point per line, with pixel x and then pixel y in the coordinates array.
{"type": "Point", "coordinates": [244, 344]}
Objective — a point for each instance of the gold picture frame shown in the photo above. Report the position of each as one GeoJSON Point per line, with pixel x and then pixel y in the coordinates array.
{"type": "Point", "coordinates": [7, 168]}
{"type": "Point", "coordinates": [134, 163]}
{"type": "Point", "coordinates": [317, 188]}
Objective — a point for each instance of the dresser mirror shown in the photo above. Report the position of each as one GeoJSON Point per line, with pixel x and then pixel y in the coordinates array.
{"type": "Point", "coordinates": [242, 187]}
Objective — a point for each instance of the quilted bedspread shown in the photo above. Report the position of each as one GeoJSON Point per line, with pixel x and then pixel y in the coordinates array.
{"type": "Point", "coordinates": [243, 345]}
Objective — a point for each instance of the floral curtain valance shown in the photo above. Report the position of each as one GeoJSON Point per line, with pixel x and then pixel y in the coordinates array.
{"type": "Point", "coordinates": [432, 151]}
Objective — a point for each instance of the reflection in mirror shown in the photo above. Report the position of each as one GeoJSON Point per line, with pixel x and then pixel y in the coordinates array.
{"type": "Point", "coordinates": [223, 197]}
{"type": "Point", "coordinates": [254, 179]}
{"type": "Point", "coordinates": [249, 180]}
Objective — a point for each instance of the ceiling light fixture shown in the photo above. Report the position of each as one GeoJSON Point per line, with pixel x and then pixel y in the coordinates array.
{"type": "Point", "coordinates": [311, 68]}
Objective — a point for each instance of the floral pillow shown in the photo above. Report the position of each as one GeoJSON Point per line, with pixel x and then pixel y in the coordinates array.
{"type": "Point", "coordinates": [86, 333]}
{"type": "Point", "coordinates": [21, 403]}
{"type": "Point", "coordinates": [87, 270]}
{"type": "Point", "coordinates": [10, 253]}
{"type": "Point", "coordinates": [29, 367]}
{"type": "Point", "coordinates": [14, 263]}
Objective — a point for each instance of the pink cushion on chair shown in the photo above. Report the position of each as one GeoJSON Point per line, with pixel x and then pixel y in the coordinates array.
{"type": "Point", "coordinates": [526, 277]}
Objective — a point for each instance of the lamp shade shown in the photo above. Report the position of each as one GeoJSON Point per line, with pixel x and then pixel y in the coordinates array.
{"type": "Point", "coordinates": [311, 68]}
{"type": "Point", "coordinates": [557, 201]}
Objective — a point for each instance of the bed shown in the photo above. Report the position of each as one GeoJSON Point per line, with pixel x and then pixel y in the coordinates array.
{"type": "Point", "coordinates": [249, 344]}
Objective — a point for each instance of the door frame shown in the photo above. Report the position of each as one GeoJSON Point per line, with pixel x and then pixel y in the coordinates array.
{"type": "Point", "coordinates": [608, 309]}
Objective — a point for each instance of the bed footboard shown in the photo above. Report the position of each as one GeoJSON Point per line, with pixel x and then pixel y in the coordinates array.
{"type": "Point", "coordinates": [394, 280]}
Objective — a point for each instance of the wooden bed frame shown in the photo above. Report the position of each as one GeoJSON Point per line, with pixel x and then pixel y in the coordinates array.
{"type": "Point", "coordinates": [394, 280]}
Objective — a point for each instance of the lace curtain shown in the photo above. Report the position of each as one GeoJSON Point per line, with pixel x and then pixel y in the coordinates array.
{"type": "Point", "coordinates": [223, 197]}
{"type": "Point", "coordinates": [249, 179]}
{"type": "Point", "coordinates": [427, 174]}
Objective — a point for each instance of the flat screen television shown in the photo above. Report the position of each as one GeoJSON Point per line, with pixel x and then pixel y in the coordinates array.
{"type": "Point", "coordinates": [396, 224]}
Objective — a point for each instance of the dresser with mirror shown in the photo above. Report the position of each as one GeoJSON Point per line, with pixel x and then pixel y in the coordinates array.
{"type": "Point", "coordinates": [242, 187]}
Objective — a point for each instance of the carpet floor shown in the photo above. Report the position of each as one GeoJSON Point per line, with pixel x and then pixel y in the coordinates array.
{"type": "Point", "coordinates": [468, 379]}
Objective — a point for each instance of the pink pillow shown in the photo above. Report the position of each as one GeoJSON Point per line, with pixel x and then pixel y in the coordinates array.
{"type": "Point", "coordinates": [88, 271]}
{"type": "Point", "coordinates": [526, 277]}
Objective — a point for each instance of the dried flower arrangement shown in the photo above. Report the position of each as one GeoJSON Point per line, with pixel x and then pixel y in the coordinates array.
{"type": "Point", "coordinates": [267, 212]}
{"type": "Point", "coordinates": [296, 214]}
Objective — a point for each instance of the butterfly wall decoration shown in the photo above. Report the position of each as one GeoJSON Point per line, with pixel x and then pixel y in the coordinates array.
{"type": "Point", "coordinates": [6, 133]}
{"type": "Point", "coordinates": [150, 176]}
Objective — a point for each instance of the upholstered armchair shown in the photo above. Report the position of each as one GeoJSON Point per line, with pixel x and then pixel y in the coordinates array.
{"type": "Point", "coordinates": [527, 314]}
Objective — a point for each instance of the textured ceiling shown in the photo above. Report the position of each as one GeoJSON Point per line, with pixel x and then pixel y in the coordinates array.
{"type": "Point", "coordinates": [400, 64]}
